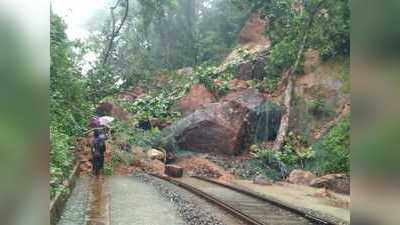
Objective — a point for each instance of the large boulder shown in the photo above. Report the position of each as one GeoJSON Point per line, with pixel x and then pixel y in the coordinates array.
{"type": "Point", "coordinates": [301, 177]}
{"type": "Point", "coordinates": [110, 109]}
{"type": "Point", "coordinates": [336, 182]}
{"type": "Point", "coordinates": [249, 98]}
{"type": "Point", "coordinates": [251, 69]}
{"type": "Point", "coordinates": [263, 117]}
{"type": "Point", "coordinates": [225, 127]}
{"type": "Point", "coordinates": [197, 98]}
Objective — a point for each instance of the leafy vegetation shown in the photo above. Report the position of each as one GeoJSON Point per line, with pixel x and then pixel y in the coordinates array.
{"type": "Point", "coordinates": [128, 135]}
{"type": "Point", "coordinates": [318, 107]}
{"type": "Point", "coordinates": [68, 108]}
{"type": "Point", "coordinates": [159, 37]}
{"type": "Point", "coordinates": [333, 150]}
{"type": "Point", "coordinates": [294, 154]}
{"type": "Point", "coordinates": [331, 154]}
{"type": "Point", "coordinates": [324, 25]}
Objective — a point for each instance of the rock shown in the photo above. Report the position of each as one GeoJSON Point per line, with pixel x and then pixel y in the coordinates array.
{"type": "Point", "coordinates": [336, 182]}
{"type": "Point", "coordinates": [261, 180]}
{"type": "Point", "coordinates": [245, 71]}
{"type": "Point", "coordinates": [268, 121]}
{"type": "Point", "coordinates": [224, 127]}
{"type": "Point", "coordinates": [187, 71]}
{"type": "Point", "coordinates": [173, 170]}
{"type": "Point", "coordinates": [109, 109]}
{"type": "Point", "coordinates": [248, 99]}
{"type": "Point", "coordinates": [251, 70]}
{"type": "Point", "coordinates": [238, 85]}
{"type": "Point", "coordinates": [171, 156]}
{"type": "Point", "coordinates": [197, 98]}
{"type": "Point", "coordinates": [216, 128]}
{"type": "Point", "coordinates": [301, 177]}
{"type": "Point", "coordinates": [132, 94]}
{"type": "Point", "coordinates": [156, 154]}
{"type": "Point", "coordinates": [156, 122]}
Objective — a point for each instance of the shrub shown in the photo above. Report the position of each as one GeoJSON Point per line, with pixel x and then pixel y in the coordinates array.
{"type": "Point", "coordinates": [333, 150]}
{"type": "Point", "coordinates": [318, 107]}
{"type": "Point", "coordinates": [61, 160]}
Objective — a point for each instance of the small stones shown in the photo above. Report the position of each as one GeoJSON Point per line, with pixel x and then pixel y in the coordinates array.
{"type": "Point", "coordinates": [261, 180]}
{"type": "Point", "coordinates": [192, 214]}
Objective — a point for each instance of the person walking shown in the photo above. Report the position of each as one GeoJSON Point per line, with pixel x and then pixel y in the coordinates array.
{"type": "Point", "coordinates": [98, 150]}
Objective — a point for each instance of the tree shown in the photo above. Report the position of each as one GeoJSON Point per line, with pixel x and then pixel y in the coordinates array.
{"type": "Point", "coordinates": [294, 26]}
{"type": "Point", "coordinates": [68, 109]}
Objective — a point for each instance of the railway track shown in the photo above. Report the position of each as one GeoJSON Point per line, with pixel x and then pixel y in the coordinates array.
{"type": "Point", "coordinates": [247, 206]}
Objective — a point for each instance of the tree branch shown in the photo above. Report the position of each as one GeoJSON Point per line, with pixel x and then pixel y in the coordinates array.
{"type": "Point", "coordinates": [115, 30]}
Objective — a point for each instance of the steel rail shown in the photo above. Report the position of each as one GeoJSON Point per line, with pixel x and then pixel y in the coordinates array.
{"type": "Point", "coordinates": [235, 212]}
{"type": "Point", "coordinates": [273, 202]}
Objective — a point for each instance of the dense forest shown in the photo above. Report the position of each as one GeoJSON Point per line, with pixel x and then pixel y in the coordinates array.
{"type": "Point", "coordinates": [143, 43]}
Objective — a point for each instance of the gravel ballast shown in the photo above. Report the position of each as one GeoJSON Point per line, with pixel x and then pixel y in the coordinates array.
{"type": "Point", "coordinates": [191, 213]}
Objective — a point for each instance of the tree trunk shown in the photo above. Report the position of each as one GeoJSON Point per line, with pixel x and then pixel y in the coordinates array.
{"type": "Point", "coordinates": [284, 126]}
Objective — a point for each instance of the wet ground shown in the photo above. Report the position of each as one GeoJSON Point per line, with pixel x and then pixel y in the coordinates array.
{"type": "Point", "coordinates": [133, 202]}
{"type": "Point", "coordinates": [335, 207]}
{"type": "Point", "coordinates": [123, 201]}
{"type": "Point", "coordinates": [75, 209]}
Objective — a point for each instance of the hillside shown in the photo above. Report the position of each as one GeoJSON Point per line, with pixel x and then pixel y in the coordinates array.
{"type": "Point", "coordinates": [251, 93]}
{"type": "Point", "coordinates": [228, 110]}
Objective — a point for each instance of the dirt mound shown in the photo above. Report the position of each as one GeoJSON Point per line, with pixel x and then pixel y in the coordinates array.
{"type": "Point", "coordinates": [199, 166]}
{"type": "Point", "coordinates": [252, 32]}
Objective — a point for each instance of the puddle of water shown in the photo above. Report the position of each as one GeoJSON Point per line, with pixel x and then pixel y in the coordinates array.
{"type": "Point", "coordinates": [117, 201]}
{"type": "Point", "coordinates": [98, 206]}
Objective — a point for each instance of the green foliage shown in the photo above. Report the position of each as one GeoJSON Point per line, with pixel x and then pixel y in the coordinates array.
{"type": "Point", "coordinates": [293, 155]}
{"type": "Point", "coordinates": [333, 150]}
{"type": "Point", "coordinates": [294, 152]}
{"type": "Point", "coordinates": [318, 107]}
{"type": "Point", "coordinates": [268, 85]}
{"type": "Point", "coordinates": [127, 134]}
{"type": "Point", "coordinates": [215, 81]}
{"type": "Point", "coordinates": [108, 168]}
{"type": "Point", "coordinates": [61, 160]}
{"type": "Point", "coordinates": [169, 35]}
{"type": "Point", "coordinates": [324, 24]}
{"type": "Point", "coordinates": [68, 109]}
{"type": "Point", "coordinates": [157, 105]}
{"type": "Point", "coordinates": [265, 155]}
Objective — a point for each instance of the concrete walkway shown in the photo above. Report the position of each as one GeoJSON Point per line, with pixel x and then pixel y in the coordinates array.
{"type": "Point", "coordinates": [135, 203]}
{"type": "Point", "coordinates": [117, 201]}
